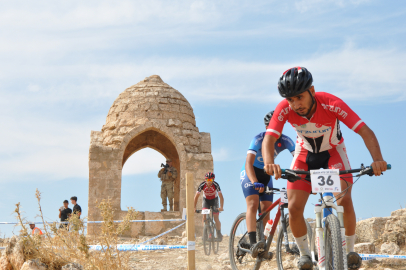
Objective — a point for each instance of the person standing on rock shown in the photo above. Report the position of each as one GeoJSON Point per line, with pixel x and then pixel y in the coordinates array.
{"type": "Point", "coordinates": [167, 175]}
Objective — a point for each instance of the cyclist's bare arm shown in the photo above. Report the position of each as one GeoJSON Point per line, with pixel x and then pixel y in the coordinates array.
{"type": "Point", "coordinates": [221, 202]}
{"type": "Point", "coordinates": [196, 198]}
{"type": "Point", "coordinates": [268, 149]}
{"type": "Point", "coordinates": [249, 169]}
{"type": "Point", "coordinates": [371, 142]}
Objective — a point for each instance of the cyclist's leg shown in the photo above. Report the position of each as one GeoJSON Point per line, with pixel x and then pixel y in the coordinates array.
{"type": "Point", "coordinates": [298, 194]}
{"type": "Point", "coordinates": [266, 201]}
{"type": "Point", "coordinates": [339, 160]}
{"type": "Point", "coordinates": [205, 205]}
{"type": "Point", "coordinates": [252, 199]}
{"type": "Point", "coordinates": [216, 214]}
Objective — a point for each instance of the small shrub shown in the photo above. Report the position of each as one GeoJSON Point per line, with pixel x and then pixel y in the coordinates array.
{"type": "Point", "coordinates": [60, 246]}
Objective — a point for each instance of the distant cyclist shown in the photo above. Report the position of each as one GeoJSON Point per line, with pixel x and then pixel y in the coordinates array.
{"type": "Point", "coordinates": [211, 193]}
{"type": "Point", "coordinates": [254, 180]}
{"type": "Point", "coordinates": [316, 118]}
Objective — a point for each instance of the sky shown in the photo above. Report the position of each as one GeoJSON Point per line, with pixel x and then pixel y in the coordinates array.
{"type": "Point", "coordinates": [62, 64]}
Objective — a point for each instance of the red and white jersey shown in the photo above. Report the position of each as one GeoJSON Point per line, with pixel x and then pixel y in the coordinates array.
{"type": "Point", "coordinates": [211, 192]}
{"type": "Point", "coordinates": [322, 132]}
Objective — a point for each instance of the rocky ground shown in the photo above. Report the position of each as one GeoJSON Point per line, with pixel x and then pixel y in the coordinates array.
{"type": "Point", "coordinates": [385, 235]}
{"type": "Point", "coordinates": [177, 259]}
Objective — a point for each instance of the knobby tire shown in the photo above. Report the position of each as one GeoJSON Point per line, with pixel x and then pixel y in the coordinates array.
{"type": "Point", "coordinates": [333, 244]}
{"type": "Point", "coordinates": [215, 242]}
{"type": "Point", "coordinates": [206, 242]}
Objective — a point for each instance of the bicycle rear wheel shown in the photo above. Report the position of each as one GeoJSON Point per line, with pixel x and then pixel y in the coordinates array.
{"type": "Point", "coordinates": [333, 244]}
{"type": "Point", "coordinates": [238, 236]}
{"type": "Point", "coordinates": [286, 260]}
{"type": "Point", "coordinates": [206, 240]}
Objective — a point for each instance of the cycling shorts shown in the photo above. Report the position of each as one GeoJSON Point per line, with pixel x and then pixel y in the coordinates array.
{"type": "Point", "coordinates": [214, 203]}
{"type": "Point", "coordinates": [248, 187]}
{"type": "Point", "coordinates": [304, 160]}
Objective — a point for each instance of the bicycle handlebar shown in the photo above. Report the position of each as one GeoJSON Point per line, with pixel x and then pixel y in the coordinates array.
{"type": "Point", "coordinates": [293, 175]}
{"type": "Point", "coordinates": [364, 170]}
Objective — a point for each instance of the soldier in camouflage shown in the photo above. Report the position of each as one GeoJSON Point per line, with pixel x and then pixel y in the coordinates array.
{"type": "Point", "coordinates": [167, 177]}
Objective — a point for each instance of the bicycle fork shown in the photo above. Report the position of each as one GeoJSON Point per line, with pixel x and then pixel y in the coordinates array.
{"type": "Point", "coordinates": [320, 230]}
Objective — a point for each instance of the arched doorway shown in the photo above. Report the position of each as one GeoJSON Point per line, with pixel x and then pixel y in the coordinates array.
{"type": "Point", "coordinates": [159, 142]}
{"type": "Point", "coordinates": [140, 186]}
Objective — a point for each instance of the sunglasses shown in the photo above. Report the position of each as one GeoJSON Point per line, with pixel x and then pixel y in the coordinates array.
{"type": "Point", "coordinates": [210, 179]}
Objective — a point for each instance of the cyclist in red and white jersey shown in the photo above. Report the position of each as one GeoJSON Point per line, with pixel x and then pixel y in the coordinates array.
{"type": "Point", "coordinates": [316, 118]}
{"type": "Point", "coordinates": [211, 192]}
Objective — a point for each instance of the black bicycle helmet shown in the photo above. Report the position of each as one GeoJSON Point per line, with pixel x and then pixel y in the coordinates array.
{"type": "Point", "coordinates": [267, 118]}
{"type": "Point", "coordinates": [210, 175]}
{"type": "Point", "coordinates": [294, 81]}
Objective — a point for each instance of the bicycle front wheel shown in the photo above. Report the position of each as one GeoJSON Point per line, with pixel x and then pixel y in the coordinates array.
{"type": "Point", "coordinates": [333, 244]}
{"type": "Point", "coordinates": [215, 243]}
{"type": "Point", "coordinates": [240, 260]}
{"type": "Point", "coordinates": [206, 240]}
{"type": "Point", "coordinates": [287, 259]}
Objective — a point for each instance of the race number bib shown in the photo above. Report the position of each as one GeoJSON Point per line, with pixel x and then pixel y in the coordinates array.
{"type": "Point", "coordinates": [205, 211]}
{"type": "Point", "coordinates": [325, 180]}
{"type": "Point", "coordinates": [284, 196]}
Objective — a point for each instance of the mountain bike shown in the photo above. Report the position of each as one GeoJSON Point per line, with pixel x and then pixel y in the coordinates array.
{"type": "Point", "coordinates": [330, 231]}
{"type": "Point", "coordinates": [210, 237]}
{"type": "Point", "coordinates": [239, 246]}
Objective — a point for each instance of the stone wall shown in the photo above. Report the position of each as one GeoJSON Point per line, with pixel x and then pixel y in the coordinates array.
{"type": "Point", "coordinates": [148, 114]}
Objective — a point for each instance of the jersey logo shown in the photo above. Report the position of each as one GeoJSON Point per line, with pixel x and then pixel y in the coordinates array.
{"type": "Point", "coordinates": [336, 110]}
{"type": "Point", "coordinates": [338, 166]}
{"type": "Point", "coordinates": [260, 159]}
{"type": "Point", "coordinates": [283, 112]}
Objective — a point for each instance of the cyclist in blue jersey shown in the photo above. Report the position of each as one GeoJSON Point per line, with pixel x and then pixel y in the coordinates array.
{"type": "Point", "coordinates": [254, 180]}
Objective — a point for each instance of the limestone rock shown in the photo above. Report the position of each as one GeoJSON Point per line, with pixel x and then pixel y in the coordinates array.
{"type": "Point", "coordinates": [5, 264]}
{"type": "Point", "coordinates": [184, 234]}
{"type": "Point", "coordinates": [395, 230]}
{"type": "Point", "coordinates": [184, 241]}
{"type": "Point", "coordinates": [160, 241]}
{"type": "Point", "coordinates": [15, 252]}
{"type": "Point", "coordinates": [365, 248]}
{"type": "Point", "coordinates": [154, 228]}
{"type": "Point", "coordinates": [33, 265]}
{"type": "Point", "coordinates": [390, 248]}
{"type": "Point", "coordinates": [399, 212]}
{"type": "Point", "coordinates": [72, 266]}
{"type": "Point", "coordinates": [371, 229]}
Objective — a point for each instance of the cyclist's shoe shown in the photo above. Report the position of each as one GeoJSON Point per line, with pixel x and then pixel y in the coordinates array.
{"type": "Point", "coordinates": [354, 260]}
{"type": "Point", "coordinates": [267, 256]}
{"type": "Point", "coordinates": [305, 263]}
{"type": "Point", "coordinates": [257, 248]}
{"type": "Point", "coordinates": [220, 237]}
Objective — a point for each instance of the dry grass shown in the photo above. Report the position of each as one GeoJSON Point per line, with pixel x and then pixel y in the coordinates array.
{"type": "Point", "coordinates": [59, 246]}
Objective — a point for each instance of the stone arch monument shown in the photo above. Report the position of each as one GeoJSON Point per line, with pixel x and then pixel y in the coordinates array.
{"type": "Point", "coordinates": [148, 114]}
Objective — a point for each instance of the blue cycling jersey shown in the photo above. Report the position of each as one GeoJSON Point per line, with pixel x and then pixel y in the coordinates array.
{"type": "Point", "coordinates": [284, 142]}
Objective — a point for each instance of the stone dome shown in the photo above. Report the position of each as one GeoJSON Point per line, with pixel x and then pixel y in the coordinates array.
{"type": "Point", "coordinates": [150, 100]}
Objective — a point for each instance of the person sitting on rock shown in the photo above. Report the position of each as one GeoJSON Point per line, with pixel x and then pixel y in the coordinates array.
{"type": "Point", "coordinates": [211, 193]}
